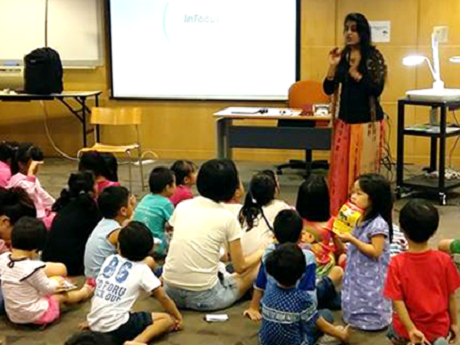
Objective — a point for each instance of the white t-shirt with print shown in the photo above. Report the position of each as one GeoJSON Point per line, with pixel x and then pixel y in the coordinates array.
{"type": "Point", "coordinates": [260, 236]}
{"type": "Point", "coordinates": [118, 285]}
{"type": "Point", "coordinates": [201, 227]}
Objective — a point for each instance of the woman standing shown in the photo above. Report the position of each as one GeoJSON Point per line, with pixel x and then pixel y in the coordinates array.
{"type": "Point", "coordinates": [356, 78]}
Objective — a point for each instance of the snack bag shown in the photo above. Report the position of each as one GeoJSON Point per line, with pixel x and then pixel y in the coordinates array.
{"type": "Point", "coordinates": [347, 218]}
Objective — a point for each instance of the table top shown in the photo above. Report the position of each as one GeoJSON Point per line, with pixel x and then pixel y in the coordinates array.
{"type": "Point", "coordinates": [260, 113]}
{"type": "Point", "coordinates": [11, 95]}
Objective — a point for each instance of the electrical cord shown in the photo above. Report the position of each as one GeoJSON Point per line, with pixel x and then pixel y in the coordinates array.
{"type": "Point", "coordinates": [50, 139]}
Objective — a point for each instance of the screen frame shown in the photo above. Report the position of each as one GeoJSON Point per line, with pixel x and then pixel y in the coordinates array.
{"type": "Point", "coordinates": [108, 21]}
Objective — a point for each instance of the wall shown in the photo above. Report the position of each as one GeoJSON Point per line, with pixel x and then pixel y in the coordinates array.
{"type": "Point", "coordinates": [178, 129]}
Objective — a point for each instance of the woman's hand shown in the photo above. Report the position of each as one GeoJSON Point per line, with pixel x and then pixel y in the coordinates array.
{"type": "Point", "coordinates": [334, 57]}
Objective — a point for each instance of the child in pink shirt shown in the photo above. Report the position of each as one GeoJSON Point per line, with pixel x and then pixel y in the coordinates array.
{"type": "Point", "coordinates": [30, 296]}
{"type": "Point", "coordinates": [7, 152]}
{"type": "Point", "coordinates": [25, 168]}
{"type": "Point", "coordinates": [103, 166]}
{"type": "Point", "coordinates": [186, 172]}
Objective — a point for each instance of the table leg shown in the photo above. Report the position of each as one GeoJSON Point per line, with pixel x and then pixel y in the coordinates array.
{"type": "Point", "coordinates": [442, 157]}
{"type": "Point", "coordinates": [83, 116]}
{"type": "Point", "coordinates": [220, 138]}
{"type": "Point", "coordinates": [98, 129]}
{"type": "Point", "coordinates": [400, 150]}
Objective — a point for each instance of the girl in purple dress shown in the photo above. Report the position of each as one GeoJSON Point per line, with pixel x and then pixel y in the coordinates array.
{"type": "Point", "coordinates": [368, 256]}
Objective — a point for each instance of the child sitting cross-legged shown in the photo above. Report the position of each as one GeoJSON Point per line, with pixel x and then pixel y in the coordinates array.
{"type": "Point", "coordinates": [422, 283]}
{"type": "Point", "coordinates": [288, 229]}
{"type": "Point", "coordinates": [116, 205]}
{"type": "Point", "coordinates": [31, 297]}
{"type": "Point", "coordinates": [289, 315]}
{"type": "Point", "coordinates": [155, 209]}
{"type": "Point", "coordinates": [121, 278]}
{"type": "Point", "coordinates": [186, 173]}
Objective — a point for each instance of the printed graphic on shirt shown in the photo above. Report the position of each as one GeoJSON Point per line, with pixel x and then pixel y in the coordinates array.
{"type": "Point", "coordinates": [110, 291]}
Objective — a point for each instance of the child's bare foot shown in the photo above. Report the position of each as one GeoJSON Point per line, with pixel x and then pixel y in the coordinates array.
{"type": "Point", "coordinates": [134, 343]}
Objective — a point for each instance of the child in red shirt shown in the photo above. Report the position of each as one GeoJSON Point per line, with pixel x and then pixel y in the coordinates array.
{"type": "Point", "coordinates": [186, 173]}
{"type": "Point", "coordinates": [421, 283]}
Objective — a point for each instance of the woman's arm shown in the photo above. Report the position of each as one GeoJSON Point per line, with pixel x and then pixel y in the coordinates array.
{"type": "Point", "coordinates": [330, 82]}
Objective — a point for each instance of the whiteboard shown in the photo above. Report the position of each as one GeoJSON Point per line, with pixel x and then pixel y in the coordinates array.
{"type": "Point", "coordinates": [75, 30]}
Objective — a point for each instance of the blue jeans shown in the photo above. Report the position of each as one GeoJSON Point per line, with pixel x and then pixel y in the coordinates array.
{"type": "Point", "coordinates": [396, 339]}
{"type": "Point", "coordinates": [221, 296]}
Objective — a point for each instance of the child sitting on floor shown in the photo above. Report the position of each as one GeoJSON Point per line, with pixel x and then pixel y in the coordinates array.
{"type": "Point", "coordinates": [258, 213]}
{"type": "Point", "coordinates": [186, 173]}
{"type": "Point", "coordinates": [7, 153]}
{"type": "Point", "coordinates": [313, 205]}
{"type": "Point", "coordinates": [104, 167]}
{"type": "Point", "coordinates": [116, 205]}
{"type": "Point", "coordinates": [422, 283]}
{"type": "Point", "coordinates": [288, 229]}
{"type": "Point", "coordinates": [119, 282]}
{"type": "Point", "coordinates": [31, 297]}
{"type": "Point", "coordinates": [155, 209]}
{"type": "Point", "coordinates": [24, 168]}
{"type": "Point", "coordinates": [289, 315]}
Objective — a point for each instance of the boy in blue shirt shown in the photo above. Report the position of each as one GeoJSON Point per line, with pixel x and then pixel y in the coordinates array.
{"type": "Point", "coordinates": [289, 315]}
{"type": "Point", "coordinates": [156, 209]}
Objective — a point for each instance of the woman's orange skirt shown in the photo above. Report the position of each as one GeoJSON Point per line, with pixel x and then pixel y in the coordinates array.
{"type": "Point", "coordinates": [356, 149]}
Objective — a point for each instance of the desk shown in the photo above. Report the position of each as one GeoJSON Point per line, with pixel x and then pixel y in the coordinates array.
{"type": "Point", "coordinates": [298, 138]}
{"type": "Point", "coordinates": [79, 96]}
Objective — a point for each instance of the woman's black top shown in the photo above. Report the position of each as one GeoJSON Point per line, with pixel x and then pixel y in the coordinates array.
{"type": "Point", "coordinates": [359, 100]}
{"type": "Point", "coordinates": [69, 233]}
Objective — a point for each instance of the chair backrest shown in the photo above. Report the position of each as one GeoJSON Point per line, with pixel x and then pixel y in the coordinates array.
{"type": "Point", "coordinates": [116, 116]}
{"type": "Point", "coordinates": [306, 93]}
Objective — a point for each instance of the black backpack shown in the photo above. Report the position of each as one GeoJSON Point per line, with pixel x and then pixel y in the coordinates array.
{"type": "Point", "coordinates": [43, 72]}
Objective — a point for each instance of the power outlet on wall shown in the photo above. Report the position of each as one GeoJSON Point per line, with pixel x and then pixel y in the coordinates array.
{"type": "Point", "coordinates": [442, 33]}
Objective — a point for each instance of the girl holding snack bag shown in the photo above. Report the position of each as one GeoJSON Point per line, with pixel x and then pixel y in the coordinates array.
{"type": "Point", "coordinates": [368, 255]}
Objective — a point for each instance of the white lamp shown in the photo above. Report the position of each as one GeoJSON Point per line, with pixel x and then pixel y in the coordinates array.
{"type": "Point", "coordinates": [437, 92]}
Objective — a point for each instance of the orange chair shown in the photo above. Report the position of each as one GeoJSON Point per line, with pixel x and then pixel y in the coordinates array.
{"type": "Point", "coordinates": [304, 94]}
{"type": "Point", "coordinates": [119, 117]}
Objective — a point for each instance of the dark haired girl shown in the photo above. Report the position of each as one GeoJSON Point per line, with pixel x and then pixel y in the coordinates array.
{"type": "Point", "coordinates": [356, 78]}
{"type": "Point", "coordinates": [368, 256]}
{"type": "Point", "coordinates": [77, 216]}
{"type": "Point", "coordinates": [259, 211]}
{"type": "Point", "coordinates": [24, 167]}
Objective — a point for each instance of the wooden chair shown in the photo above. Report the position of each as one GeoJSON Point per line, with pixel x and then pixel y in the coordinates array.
{"type": "Point", "coordinates": [119, 117]}
{"type": "Point", "coordinates": [304, 94]}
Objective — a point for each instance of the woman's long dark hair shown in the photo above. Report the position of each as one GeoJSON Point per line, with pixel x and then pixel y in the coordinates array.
{"type": "Point", "coordinates": [80, 188]}
{"type": "Point", "coordinates": [365, 43]}
{"type": "Point", "coordinates": [260, 192]}
{"type": "Point", "coordinates": [381, 197]}
{"type": "Point", "coordinates": [313, 200]}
